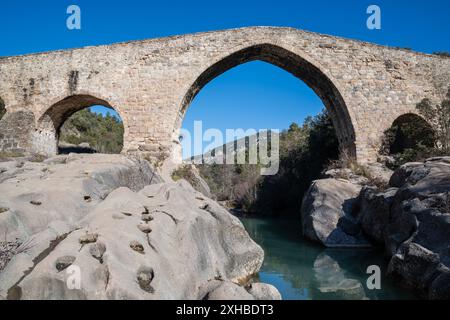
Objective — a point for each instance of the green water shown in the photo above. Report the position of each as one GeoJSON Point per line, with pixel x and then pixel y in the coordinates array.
{"type": "Point", "coordinates": [301, 270]}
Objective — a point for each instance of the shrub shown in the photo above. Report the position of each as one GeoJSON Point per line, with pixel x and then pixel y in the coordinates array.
{"type": "Point", "coordinates": [7, 155]}
{"type": "Point", "coordinates": [304, 152]}
{"type": "Point", "coordinates": [2, 108]}
{"type": "Point", "coordinates": [103, 133]}
{"type": "Point", "coordinates": [439, 117]}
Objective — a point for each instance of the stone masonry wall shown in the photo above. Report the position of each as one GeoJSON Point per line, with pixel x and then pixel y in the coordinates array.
{"type": "Point", "coordinates": [148, 84]}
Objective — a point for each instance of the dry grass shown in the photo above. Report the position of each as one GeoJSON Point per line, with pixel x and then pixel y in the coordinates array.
{"type": "Point", "coordinates": [345, 161]}
{"type": "Point", "coordinates": [8, 249]}
{"type": "Point", "coordinates": [184, 172]}
{"type": "Point", "coordinates": [37, 158]}
{"type": "Point", "coordinates": [7, 155]}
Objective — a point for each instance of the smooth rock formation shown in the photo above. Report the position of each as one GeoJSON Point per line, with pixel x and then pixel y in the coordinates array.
{"type": "Point", "coordinates": [103, 235]}
{"type": "Point", "coordinates": [264, 291]}
{"type": "Point", "coordinates": [229, 291]}
{"type": "Point", "coordinates": [327, 214]}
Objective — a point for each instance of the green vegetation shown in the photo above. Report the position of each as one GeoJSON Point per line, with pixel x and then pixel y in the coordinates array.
{"type": "Point", "coordinates": [442, 53]}
{"type": "Point", "coordinates": [415, 138]}
{"type": "Point", "coordinates": [7, 155]}
{"type": "Point", "coordinates": [102, 133]}
{"type": "Point", "coordinates": [185, 172]}
{"type": "Point", "coordinates": [304, 152]}
{"type": "Point", "coordinates": [439, 117]}
{"type": "Point", "coordinates": [2, 108]}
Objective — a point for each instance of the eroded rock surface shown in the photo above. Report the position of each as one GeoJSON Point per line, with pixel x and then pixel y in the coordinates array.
{"type": "Point", "coordinates": [327, 214]}
{"type": "Point", "coordinates": [411, 219]}
{"type": "Point", "coordinates": [106, 236]}
{"type": "Point", "coordinates": [418, 234]}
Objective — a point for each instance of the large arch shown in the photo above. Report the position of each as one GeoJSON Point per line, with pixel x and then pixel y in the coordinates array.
{"type": "Point", "coordinates": [298, 66]}
{"type": "Point", "coordinates": [46, 135]}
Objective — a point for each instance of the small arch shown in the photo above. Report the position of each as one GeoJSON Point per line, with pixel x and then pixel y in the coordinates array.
{"type": "Point", "coordinates": [297, 66]}
{"type": "Point", "coordinates": [46, 136]}
{"type": "Point", "coordinates": [408, 131]}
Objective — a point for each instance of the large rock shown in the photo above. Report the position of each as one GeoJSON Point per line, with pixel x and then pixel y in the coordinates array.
{"type": "Point", "coordinates": [374, 212]}
{"type": "Point", "coordinates": [189, 240]}
{"type": "Point", "coordinates": [46, 200]}
{"type": "Point", "coordinates": [411, 219]}
{"type": "Point", "coordinates": [423, 179]}
{"type": "Point", "coordinates": [229, 291]}
{"type": "Point", "coordinates": [420, 209]}
{"type": "Point", "coordinates": [419, 227]}
{"type": "Point", "coordinates": [327, 215]}
{"type": "Point", "coordinates": [347, 175]}
{"type": "Point", "coordinates": [199, 183]}
{"type": "Point", "coordinates": [415, 266]}
{"type": "Point", "coordinates": [264, 291]}
{"type": "Point", "coordinates": [379, 172]}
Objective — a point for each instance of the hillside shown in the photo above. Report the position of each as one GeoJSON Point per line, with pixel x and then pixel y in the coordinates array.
{"type": "Point", "coordinates": [304, 152]}
{"type": "Point", "coordinates": [104, 134]}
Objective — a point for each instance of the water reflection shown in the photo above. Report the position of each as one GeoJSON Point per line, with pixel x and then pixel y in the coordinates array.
{"type": "Point", "coordinates": [302, 270]}
{"type": "Point", "coordinates": [333, 281]}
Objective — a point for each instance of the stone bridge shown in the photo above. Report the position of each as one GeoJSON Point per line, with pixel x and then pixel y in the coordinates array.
{"type": "Point", "coordinates": [151, 83]}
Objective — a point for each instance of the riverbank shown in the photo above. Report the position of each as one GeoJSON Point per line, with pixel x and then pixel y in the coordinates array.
{"type": "Point", "coordinates": [108, 227]}
{"type": "Point", "coordinates": [408, 216]}
{"type": "Point", "coordinates": [303, 270]}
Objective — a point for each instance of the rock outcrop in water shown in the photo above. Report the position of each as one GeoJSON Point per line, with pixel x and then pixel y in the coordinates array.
{"type": "Point", "coordinates": [411, 219]}
{"type": "Point", "coordinates": [107, 227]}
{"type": "Point", "coordinates": [327, 214]}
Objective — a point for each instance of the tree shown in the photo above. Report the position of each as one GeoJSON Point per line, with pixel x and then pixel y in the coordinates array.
{"type": "Point", "coordinates": [442, 53]}
{"type": "Point", "coordinates": [2, 108]}
{"type": "Point", "coordinates": [103, 133]}
{"type": "Point", "coordinates": [439, 117]}
{"type": "Point", "coordinates": [408, 131]}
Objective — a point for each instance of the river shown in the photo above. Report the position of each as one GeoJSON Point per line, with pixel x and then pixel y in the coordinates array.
{"type": "Point", "coordinates": [302, 270]}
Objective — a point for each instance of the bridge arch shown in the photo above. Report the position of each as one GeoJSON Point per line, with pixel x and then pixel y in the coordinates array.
{"type": "Point", "coordinates": [297, 65]}
{"type": "Point", "coordinates": [407, 131]}
{"type": "Point", "coordinates": [46, 135]}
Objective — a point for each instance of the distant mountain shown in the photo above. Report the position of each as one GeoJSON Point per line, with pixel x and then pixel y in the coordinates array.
{"type": "Point", "coordinates": [217, 155]}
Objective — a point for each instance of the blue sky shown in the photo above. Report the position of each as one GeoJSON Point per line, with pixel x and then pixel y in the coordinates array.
{"type": "Point", "coordinates": [254, 95]}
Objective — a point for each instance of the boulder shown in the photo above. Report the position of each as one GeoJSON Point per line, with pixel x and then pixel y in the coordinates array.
{"type": "Point", "coordinates": [419, 227]}
{"type": "Point", "coordinates": [420, 209]}
{"type": "Point", "coordinates": [264, 291]}
{"type": "Point", "coordinates": [327, 214]}
{"type": "Point", "coordinates": [229, 291]}
{"type": "Point", "coordinates": [440, 287]}
{"type": "Point", "coordinates": [379, 172]}
{"type": "Point", "coordinates": [374, 212]}
{"type": "Point", "coordinates": [192, 175]}
{"type": "Point", "coordinates": [187, 248]}
{"type": "Point", "coordinates": [415, 266]}
{"type": "Point", "coordinates": [345, 174]}
{"type": "Point", "coordinates": [67, 187]}
{"type": "Point", "coordinates": [432, 175]}
{"type": "Point", "coordinates": [64, 262]}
